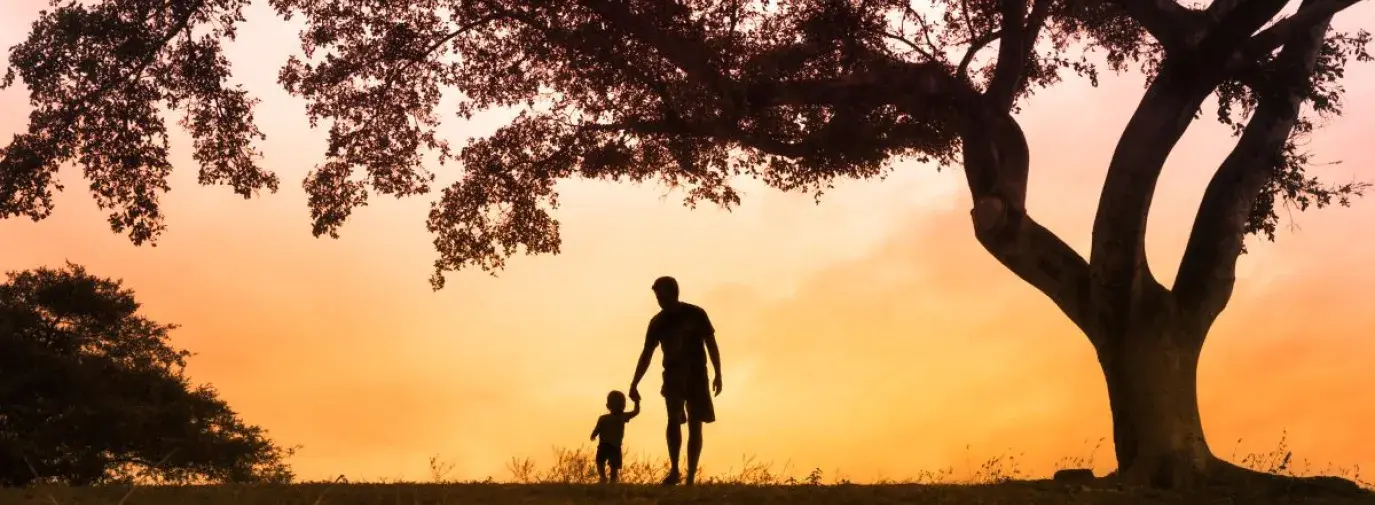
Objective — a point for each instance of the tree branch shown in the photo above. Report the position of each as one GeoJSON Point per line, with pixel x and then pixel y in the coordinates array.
{"type": "Point", "coordinates": [996, 161]}
{"type": "Point", "coordinates": [1118, 257]}
{"type": "Point", "coordinates": [1310, 14]}
{"type": "Point", "coordinates": [920, 87]}
{"type": "Point", "coordinates": [1241, 19]}
{"type": "Point", "coordinates": [974, 47]}
{"type": "Point", "coordinates": [1207, 272]}
{"type": "Point", "coordinates": [914, 84]}
{"type": "Point", "coordinates": [1171, 24]}
{"type": "Point", "coordinates": [997, 165]}
{"type": "Point", "coordinates": [1012, 53]}
{"type": "Point", "coordinates": [1040, 11]}
{"type": "Point", "coordinates": [688, 55]}
{"type": "Point", "coordinates": [915, 48]}
{"type": "Point", "coordinates": [935, 49]}
{"type": "Point", "coordinates": [1039, 257]}
{"type": "Point", "coordinates": [1019, 32]}
{"type": "Point", "coordinates": [1220, 8]}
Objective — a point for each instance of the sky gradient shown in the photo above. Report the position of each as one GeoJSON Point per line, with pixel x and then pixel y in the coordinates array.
{"type": "Point", "coordinates": [869, 334]}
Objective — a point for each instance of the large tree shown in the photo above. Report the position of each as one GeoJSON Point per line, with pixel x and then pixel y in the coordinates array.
{"type": "Point", "coordinates": [697, 93]}
{"type": "Point", "coordinates": [92, 392]}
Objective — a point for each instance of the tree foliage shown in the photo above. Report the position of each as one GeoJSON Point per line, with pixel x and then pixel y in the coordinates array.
{"type": "Point", "coordinates": [99, 78]}
{"type": "Point", "coordinates": [692, 93]}
{"type": "Point", "coordinates": [91, 392]}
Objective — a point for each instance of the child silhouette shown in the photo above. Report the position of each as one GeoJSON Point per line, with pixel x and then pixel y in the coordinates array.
{"type": "Point", "coordinates": [611, 428]}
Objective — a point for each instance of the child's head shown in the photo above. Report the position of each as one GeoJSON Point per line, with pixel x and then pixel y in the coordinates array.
{"type": "Point", "coordinates": [615, 402]}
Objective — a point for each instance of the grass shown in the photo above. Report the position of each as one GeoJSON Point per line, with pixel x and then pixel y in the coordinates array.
{"type": "Point", "coordinates": [569, 479]}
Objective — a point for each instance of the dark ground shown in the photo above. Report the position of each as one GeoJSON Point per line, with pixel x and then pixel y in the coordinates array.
{"type": "Point", "coordinates": [1013, 493]}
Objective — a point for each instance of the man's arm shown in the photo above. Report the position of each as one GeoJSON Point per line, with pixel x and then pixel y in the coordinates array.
{"type": "Point", "coordinates": [713, 352]}
{"type": "Point", "coordinates": [642, 366]}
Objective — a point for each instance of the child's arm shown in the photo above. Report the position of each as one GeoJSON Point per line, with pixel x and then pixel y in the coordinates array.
{"type": "Point", "coordinates": [633, 412]}
{"type": "Point", "coordinates": [596, 429]}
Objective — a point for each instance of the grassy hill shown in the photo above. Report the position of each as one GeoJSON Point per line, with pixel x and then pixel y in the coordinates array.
{"type": "Point", "coordinates": [1009, 493]}
{"type": "Point", "coordinates": [569, 480]}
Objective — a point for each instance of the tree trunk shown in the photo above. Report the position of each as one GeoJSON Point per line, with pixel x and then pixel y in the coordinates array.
{"type": "Point", "coordinates": [1152, 379]}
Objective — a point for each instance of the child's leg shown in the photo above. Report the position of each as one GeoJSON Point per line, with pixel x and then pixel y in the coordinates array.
{"type": "Point", "coordinates": [601, 465]}
{"type": "Point", "coordinates": [615, 461]}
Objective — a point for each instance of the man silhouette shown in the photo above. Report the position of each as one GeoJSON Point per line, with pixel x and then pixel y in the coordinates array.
{"type": "Point", "coordinates": [684, 332]}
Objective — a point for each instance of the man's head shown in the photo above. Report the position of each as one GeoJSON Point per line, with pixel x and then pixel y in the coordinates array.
{"type": "Point", "coordinates": [615, 402]}
{"type": "Point", "coordinates": [666, 291]}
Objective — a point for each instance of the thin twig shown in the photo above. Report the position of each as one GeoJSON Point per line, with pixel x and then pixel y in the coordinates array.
{"type": "Point", "coordinates": [133, 486]}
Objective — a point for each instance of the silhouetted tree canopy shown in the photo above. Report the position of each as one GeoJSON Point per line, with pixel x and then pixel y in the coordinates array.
{"type": "Point", "coordinates": [91, 392]}
{"type": "Point", "coordinates": [692, 93]}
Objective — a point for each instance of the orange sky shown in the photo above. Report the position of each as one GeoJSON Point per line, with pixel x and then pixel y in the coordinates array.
{"type": "Point", "coordinates": [870, 334]}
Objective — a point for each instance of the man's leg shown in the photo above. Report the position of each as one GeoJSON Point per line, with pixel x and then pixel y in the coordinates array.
{"type": "Point", "coordinates": [675, 443]}
{"type": "Point", "coordinates": [698, 409]}
{"type": "Point", "coordinates": [694, 449]}
{"type": "Point", "coordinates": [674, 436]}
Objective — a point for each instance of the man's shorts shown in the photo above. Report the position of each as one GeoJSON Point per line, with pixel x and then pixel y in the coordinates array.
{"type": "Point", "coordinates": [687, 393]}
{"type": "Point", "coordinates": [609, 454]}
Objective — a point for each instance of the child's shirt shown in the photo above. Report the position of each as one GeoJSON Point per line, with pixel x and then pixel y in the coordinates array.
{"type": "Point", "coordinates": [611, 427]}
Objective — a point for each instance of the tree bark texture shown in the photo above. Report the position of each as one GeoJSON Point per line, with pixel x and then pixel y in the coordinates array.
{"type": "Point", "coordinates": [1151, 373]}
